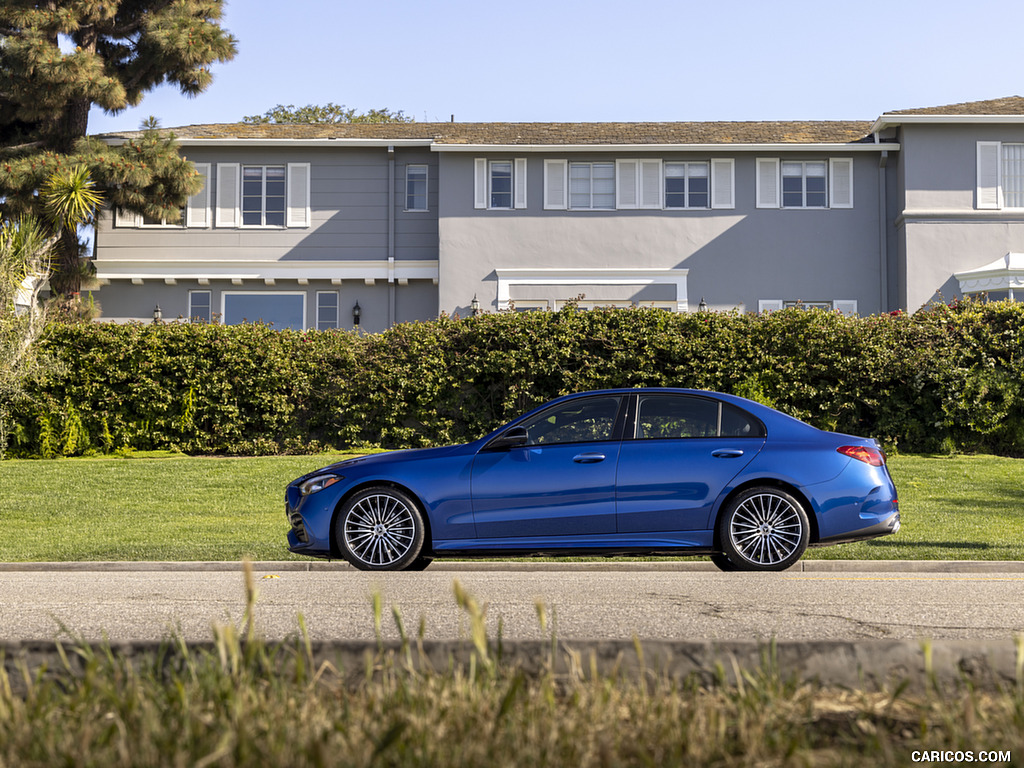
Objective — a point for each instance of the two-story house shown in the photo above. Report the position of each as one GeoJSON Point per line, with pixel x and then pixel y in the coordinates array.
{"type": "Point", "coordinates": [329, 226]}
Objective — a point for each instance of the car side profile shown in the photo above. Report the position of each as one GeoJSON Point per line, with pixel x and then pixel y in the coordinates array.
{"type": "Point", "coordinates": [612, 472]}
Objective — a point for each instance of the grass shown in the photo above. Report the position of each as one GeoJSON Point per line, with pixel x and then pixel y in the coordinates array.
{"type": "Point", "coordinates": [181, 508]}
{"type": "Point", "coordinates": [240, 702]}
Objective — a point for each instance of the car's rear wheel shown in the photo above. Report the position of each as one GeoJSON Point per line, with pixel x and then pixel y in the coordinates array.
{"type": "Point", "coordinates": [380, 529]}
{"type": "Point", "coordinates": [764, 529]}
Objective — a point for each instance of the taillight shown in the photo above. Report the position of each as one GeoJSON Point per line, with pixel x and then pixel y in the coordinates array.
{"type": "Point", "coordinates": [868, 455]}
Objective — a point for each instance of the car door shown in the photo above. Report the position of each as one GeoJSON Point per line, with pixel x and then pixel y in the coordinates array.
{"type": "Point", "coordinates": [560, 481]}
{"type": "Point", "coordinates": [682, 452]}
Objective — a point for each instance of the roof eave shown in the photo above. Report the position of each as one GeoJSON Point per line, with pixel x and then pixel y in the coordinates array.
{"type": "Point", "coordinates": [720, 147]}
{"type": "Point", "coordinates": [892, 121]}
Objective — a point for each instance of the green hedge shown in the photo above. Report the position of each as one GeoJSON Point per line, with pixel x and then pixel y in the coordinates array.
{"type": "Point", "coordinates": [944, 379]}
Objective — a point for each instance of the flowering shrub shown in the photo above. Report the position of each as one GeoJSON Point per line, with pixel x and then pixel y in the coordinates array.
{"type": "Point", "coordinates": [943, 379]}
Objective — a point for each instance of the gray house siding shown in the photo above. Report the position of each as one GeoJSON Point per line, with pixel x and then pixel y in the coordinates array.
{"type": "Point", "coordinates": [733, 257]}
{"type": "Point", "coordinates": [345, 248]}
{"type": "Point", "coordinates": [941, 228]}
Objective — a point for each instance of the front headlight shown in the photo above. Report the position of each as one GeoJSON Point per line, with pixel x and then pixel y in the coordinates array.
{"type": "Point", "coordinates": [318, 483]}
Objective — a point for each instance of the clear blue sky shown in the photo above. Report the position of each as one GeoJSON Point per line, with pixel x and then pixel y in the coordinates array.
{"type": "Point", "coordinates": [570, 60]}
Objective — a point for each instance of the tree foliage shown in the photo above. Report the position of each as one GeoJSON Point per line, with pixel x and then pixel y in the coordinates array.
{"type": "Point", "coordinates": [327, 113]}
{"type": "Point", "coordinates": [60, 58]}
{"type": "Point", "coordinates": [67, 199]}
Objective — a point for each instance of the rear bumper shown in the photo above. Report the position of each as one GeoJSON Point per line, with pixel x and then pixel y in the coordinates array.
{"type": "Point", "coordinates": [885, 527]}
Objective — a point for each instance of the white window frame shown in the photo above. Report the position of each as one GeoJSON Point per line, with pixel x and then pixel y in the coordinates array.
{"type": "Point", "coordinates": [529, 305]}
{"type": "Point", "coordinates": [409, 169]}
{"type": "Point", "coordinates": [209, 304]}
{"type": "Point", "coordinates": [323, 326]}
{"type": "Point", "coordinates": [590, 193]}
{"type": "Point", "coordinates": [570, 279]}
{"type": "Point", "coordinates": [163, 223]}
{"type": "Point", "coordinates": [224, 297]}
{"type": "Point", "coordinates": [263, 197]}
{"type": "Point", "coordinates": [483, 188]}
{"type": "Point", "coordinates": [844, 306]}
{"type": "Point", "coordinates": [992, 175]}
{"type": "Point", "coordinates": [686, 183]}
{"type": "Point", "coordinates": [803, 185]}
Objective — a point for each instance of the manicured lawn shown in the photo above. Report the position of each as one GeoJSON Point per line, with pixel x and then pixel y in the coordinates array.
{"type": "Point", "coordinates": [181, 508]}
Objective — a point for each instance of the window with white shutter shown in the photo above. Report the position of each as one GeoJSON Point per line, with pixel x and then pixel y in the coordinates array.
{"type": "Point", "coordinates": [556, 185]}
{"type": "Point", "coordinates": [519, 183]}
{"type": "Point", "coordinates": [988, 195]}
{"type": "Point", "coordinates": [499, 184]}
{"type": "Point", "coordinates": [228, 188]}
{"type": "Point", "coordinates": [841, 182]}
{"type": "Point", "coordinates": [197, 212]}
{"type": "Point", "coordinates": [768, 187]}
{"type": "Point", "coordinates": [723, 183]}
{"type": "Point", "coordinates": [299, 210]}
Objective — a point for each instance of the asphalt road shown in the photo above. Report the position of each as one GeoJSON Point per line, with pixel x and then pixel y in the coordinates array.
{"type": "Point", "coordinates": [585, 603]}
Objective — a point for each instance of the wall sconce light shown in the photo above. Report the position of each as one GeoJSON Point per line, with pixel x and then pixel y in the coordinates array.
{"type": "Point", "coordinates": [158, 314]}
{"type": "Point", "coordinates": [475, 305]}
{"type": "Point", "coordinates": [356, 314]}
{"type": "Point", "coordinates": [702, 307]}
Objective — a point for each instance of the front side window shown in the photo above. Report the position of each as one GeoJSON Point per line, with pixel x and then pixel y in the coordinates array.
{"type": "Point", "coordinates": [578, 421]}
{"type": "Point", "coordinates": [416, 188]}
{"type": "Point", "coordinates": [686, 185]}
{"type": "Point", "coordinates": [804, 184]}
{"type": "Point", "coordinates": [263, 195]}
{"type": "Point", "coordinates": [500, 183]}
{"type": "Point", "coordinates": [592, 186]}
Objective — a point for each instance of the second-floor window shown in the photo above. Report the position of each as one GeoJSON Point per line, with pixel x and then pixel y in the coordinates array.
{"type": "Point", "coordinates": [500, 184]}
{"type": "Point", "coordinates": [415, 187]}
{"type": "Point", "coordinates": [686, 185]}
{"type": "Point", "coordinates": [263, 195]}
{"type": "Point", "coordinates": [804, 184]}
{"type": "Point", "coordinates": [1013, 175]}
{"type": "Point", "coordinates": [592, 186]}
{"type": "Point", "coordinates": [1000, 175]}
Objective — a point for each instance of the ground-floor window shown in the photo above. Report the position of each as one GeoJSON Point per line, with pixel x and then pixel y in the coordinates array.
{"type": "Point", "coordinates": [327, 310]}
{"type": "Point", "coordinates": [281, 310]}
{"type": "Point", "coordinates": [199, 307]}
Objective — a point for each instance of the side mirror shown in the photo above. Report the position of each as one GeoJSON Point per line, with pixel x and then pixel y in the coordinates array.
{"type": "Point", "coordinates": [510, 438]}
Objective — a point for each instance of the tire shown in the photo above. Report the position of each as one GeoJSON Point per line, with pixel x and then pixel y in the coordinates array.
{"type": "Point", "coordinates": [723, 562]}
{"type": "Point", "coordinates": [380, 529]}
{"type": "Point", "coordinates": [764, 529]}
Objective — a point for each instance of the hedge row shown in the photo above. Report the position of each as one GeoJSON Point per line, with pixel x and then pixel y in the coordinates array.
{"type": "Point", "coordinates": [944, 379]}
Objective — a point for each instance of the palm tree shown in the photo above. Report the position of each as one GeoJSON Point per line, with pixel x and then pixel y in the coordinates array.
{"type": "Point", "coordinates": [25, 248]}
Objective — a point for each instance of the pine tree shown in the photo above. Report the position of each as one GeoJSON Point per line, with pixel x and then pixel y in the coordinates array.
{"type": "Point", "coordinates": [59, 58]}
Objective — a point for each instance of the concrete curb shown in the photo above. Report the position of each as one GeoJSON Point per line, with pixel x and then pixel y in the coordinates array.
{"type": "Point", "coordinates": [456, 566]}
{"type": "Point", "coordinates": [943, 666]}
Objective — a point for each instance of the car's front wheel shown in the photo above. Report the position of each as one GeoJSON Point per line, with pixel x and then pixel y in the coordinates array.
{"type": "Point", "coordinates": [764, 529]}
{"type": "Point", "coordinates": [380, 529]}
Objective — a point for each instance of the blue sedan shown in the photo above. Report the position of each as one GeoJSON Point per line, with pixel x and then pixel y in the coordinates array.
{"type": "Point", "coordinates": [615, 472]}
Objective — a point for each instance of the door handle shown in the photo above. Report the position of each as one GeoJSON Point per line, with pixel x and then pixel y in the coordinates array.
{"type": "Point", "coordinates": [727, 453]}
{"type": "Point", "coordinates": [588, 458]}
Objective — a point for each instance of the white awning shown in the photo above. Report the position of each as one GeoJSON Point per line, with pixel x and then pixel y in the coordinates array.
{"type": "Point", "coordinates": [1003, 274]}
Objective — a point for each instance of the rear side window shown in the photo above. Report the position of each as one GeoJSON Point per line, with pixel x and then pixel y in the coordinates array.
{"type": "Point", "coordinates": [738, 423]}
{"type": "Point", "coordinates": [677, 417]}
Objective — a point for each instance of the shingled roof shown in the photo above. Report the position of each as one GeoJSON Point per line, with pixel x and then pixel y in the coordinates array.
{"type": "Point", "coordinates": [1010, 105]}
{"type": "Point", "coordinates": [542, 134]}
